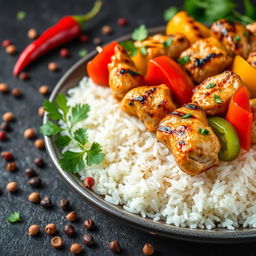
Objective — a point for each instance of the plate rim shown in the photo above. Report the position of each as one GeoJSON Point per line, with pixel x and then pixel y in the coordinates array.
{"type": "Point", "coordinates": [135, 220]}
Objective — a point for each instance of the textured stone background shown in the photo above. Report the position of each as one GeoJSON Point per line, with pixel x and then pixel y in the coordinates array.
{"type": "Point", "coordinates": [14, 240]}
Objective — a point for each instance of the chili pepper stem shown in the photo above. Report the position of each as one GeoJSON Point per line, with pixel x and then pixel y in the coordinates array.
{"type": "Point", "coordinates": [81, 19]}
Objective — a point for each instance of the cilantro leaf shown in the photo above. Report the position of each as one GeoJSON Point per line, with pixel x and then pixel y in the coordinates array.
{"type": "Point", "coordinates": [79, 112]}
{"type": "Point", "coordinates": [94, 154]}
{"type": "Point", "coordinates": [62, 141]}
{"type": "Point", "coordinates": [52, 110]}
{"type": "Point", "coordinates": [168, 42]}
{"type": "Point", "coordinates": [83, 53]}
{"type": "Point", "coordinates": [210, 85]}
{"type": "Point", "coordinates": [72, 161]}
{"type": "Point", "coordinates": [204, 131]}
{"type": "Point", "coordinates": [236, 38]}
{"type": "Point", "coordinates": [143, 50]}
{"type": "Point", "coordinates": [217, 98]}
{"type": "Point", "coordinates": [170, 12]}
{"type": "Point", "coordinates": [129, 47]}
{"type": "Point", "coordinates": [81, 136]}
{"type": "Point", "coordinates": [186, 116]}
{"type": "Point", "coordinates": [140, 33]}
{"type": "Point", "coordinates": [184, 59]}
{"type": "Point", "coordinates": [50, 129]}
{"type": "Point", "coordinates": [14, 217]}
{"type": "Point", "coordinates": [61, 102]}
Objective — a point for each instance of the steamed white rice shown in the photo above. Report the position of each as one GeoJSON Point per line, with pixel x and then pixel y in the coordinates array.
{"type": "Point", "coordinates": [141, 174]}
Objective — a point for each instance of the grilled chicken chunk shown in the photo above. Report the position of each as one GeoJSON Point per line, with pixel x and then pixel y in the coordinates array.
{"type": "Point", "coordinates": [252, 27]}
{"type": "Point", "coordinates": [193, 143]}
{"type": "Point", "coordinates": [150, 103]}
{"type": "Point", "coordinates": [252, 59]}
{"type": "Point", "coordinates": [123, 75]}
{"type": "Point", "coordinates": [253, 108]}
{"type": "Point", "coordinates": [214, 93]}
{"type": "Point", "coordinates": [234, 36]}
{"type": "Point", "coordinates": [205, 58]}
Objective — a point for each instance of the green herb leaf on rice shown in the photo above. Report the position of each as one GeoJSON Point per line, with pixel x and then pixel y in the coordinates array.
{"type": "Point", "coordinates": [94, 154]}
{"type": "Point", "coordinates": [81, 136]}
{"type": "Point", "coordinates": [72, 161]}
{"type": "Point", "coordinates": [140, 33]}
{"type": "Point", "coordinates": [61, 102]}
{"type": "Point", "coordinates": [52, 110]}
{"type": "Point", "coordinates": [79, 112]}
{"type": "Point", "coordinates": [14, 217]}
{"type": "Point", "coordinates": [62, 141]}
{"type": "Point", "coordinates": [50, 129]}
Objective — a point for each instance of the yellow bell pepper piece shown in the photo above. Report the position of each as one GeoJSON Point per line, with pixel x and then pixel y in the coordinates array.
{"type": "Point", "coordinates": [183, 23]}
{"type": "Point", "coordinates": [247, 73]}
{"type": "Point", "coordinates": [141, 62]}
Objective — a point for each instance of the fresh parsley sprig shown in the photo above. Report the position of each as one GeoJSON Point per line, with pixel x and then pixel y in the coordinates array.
{"type": "Point", "coordinates": [71, 115]}
{"type": "Point", "coordinates": [14, 217]}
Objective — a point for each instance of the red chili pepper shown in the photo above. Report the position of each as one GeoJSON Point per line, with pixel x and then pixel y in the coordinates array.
{"type": "Point", "coordinates": [68, 28]}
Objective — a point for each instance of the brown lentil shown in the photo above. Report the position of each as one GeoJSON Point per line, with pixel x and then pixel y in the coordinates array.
{"type": "Point", "coordinates": [11, 167]}
{"type": "Point", "coordinates": [7, 155]}
{"type": "Point", "coordinates": [64, 204]}
{"type": "Point", "coordinates": [69, 230]}
{"type": "Point", "coordinates": [38, 161]}
{"type": "Point", "coordinates": [30, 172]}
{"type": "Point", "coordinates": [11, 49]}
{"type": "Point", "coordinates": [148, 249]}
{"type": "Point", "coordinates": [76, 248]}
{"type": "Point", "coordinates": [4, 88]}
{"type": "Point", "coordinates": [16, 93]}
{"type": "Point", "coordinates": [97, 41]}
{"type": "Point", "coordinates": [41, 111]}
{"type": "Point", "coordinates": [46, 202]}
{"type": "Point", "coordinates": [5, 126]}
{"type": "Point", "coordinates": [33, 230]}
{"type": "Point", "coordinates": [35, 182]}
{"type": "Point", "coordinates": [29, 133]}
{"type": "Point", "coordinates": [32, 33]}
{"type": "Point", "coordinates": [89, 224]}
{"type": "Point", "coordinates": [88, 240]}
{"type": "Point", "coordinates": [34, 197]}
{"type": "Point", "coordinates": [12, 186]}
{"type": "Point", "coordinates": [8, 116]}
{"type": "Point", "coordinates": [24, 76]}
{"type": "Point", "coordinates": [106, 30]}
{"type": "Point", "coordinates": [39, 143]}
{"type": "Point", "coordinates": [50, 229]}
{"type": "Point", "coordinates": [56, 242]}
{"type": "Point", "coordinates": [114, 246]}
{"type": "Point", "coordinates": [71, 216]}
{"type": "Point", "coordinates": [89, 182]}
{"type": "Point", "coordinates": [53, 66]}
{"type": "Point", "coordinates": [44, 90]}
{"type": "Point", "coordinates": [3, 136]}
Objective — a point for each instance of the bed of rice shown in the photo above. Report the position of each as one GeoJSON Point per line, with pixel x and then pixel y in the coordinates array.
{"type": "Point", "coordinates": [141, 175]}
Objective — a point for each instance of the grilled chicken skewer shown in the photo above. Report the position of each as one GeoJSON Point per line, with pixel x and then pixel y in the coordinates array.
{"type": "Point", "coordinates": [192, 142]}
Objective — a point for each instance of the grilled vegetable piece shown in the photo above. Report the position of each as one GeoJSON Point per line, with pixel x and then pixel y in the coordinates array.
{"type": "Point", "coordinates": [150, 103]}
{"type": "Point", "coordinates": [252, 59]}
{"type": "Point", "coordinates": [253, 108]}
{"type": "Point", "coordinates": [214, 93]}
{"type": "Point", "coordinates": [159, 45]}
{"type": "Point", "coordinates": [205, 58]}
{"type": "Point", "coordinates": [183, 23]}
{"type": "Point", "coordinates": [234, 36]}
{"type": "Point", "coordinates": [123, 75]}
{"type": "Point", "coordinates": [193, 143]}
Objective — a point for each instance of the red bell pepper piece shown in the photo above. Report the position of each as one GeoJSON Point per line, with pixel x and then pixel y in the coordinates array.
{"type": "Point", "coordinates": [65, 30]}
{"type": "Point", "coordinates": [165, 70]}
{"type": "Point", "coordinates": [97, 68]}
{"type": "Point", "coordinates": [240, 116]}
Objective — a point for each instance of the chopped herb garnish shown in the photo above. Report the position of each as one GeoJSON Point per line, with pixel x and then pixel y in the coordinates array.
{"type": "Point", "coordinates": [237, 38]}
{"type": "Point", "coordinates": [140, 33]}
{"type": "Point", "coordinates": [170, 12]}
{"type": "Point", "coordinates": [21, 15]}
{"type": "Point", "coordinates": [210, 85]}
{"type": "Point", "coordinates": [184, 59]}
{"type": "Point", "coordinates": [143, 50]}
{"type": "Point", "coordinates": [14, 217]}
{"type": "Point", "coordinates": [129, 47]}
{"type": "Point", "coordinates": [71, 115]}
{"type": "Point", "coordinates": [83, 53]}
{"type": "Point", "coordinates": [217, 98]}
{"type": "Point", "coordinates": [204, 131]}
{"type": "Point", "coordinates": [246, 34]}
{"type": "Point", "coordinates": [168, 42]}
{"type": "Point", "coordinates": [186, 116]}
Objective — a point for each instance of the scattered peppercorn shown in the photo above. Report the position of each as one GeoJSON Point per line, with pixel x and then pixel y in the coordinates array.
{"type": "Point", "coordinates": [56, 242]}
{"type": "Point", "coordinates": [97, 41]}
{"type": "Point", "coordinates": [39, 143]}
{"type": "Point", "coordinates": [32, 33]}
{"type": "Point", "coordinates": [41, 111]}
{"type": "Point", "coordinates": [11, 167]}
{"type": "Point", "coordinates": [29, 133]}
{"type": "Point", "coordinates": [3, 136]}
{"type": "Point", "coordinates": [4, 88]}
{"type": "Point", "coordinates": [44, 90]}
{"type": "Point", "coordinates": [89, 182]}
{"type": "Point", "coordinates": [6, 43]}
{"type": "Point", "coordinates": [83, 38]}
{"type": "Point", "coordinates": [8, 116]}
{"type": "Point", "coordinates": [64, 204]}
{"type": "Point", "coordinates": [76, 248]}
{"type": "Point", "coordinates": [33, 230]}
{"type": "Point", "coordinates": [122, 22]}
{"type": "Point", "coordinates": [38, 161]}
{"type": "Point", "coordinates": [7, 155]}
{"type": "Point", "coordinates": [88, 240]}
{"type": "Point", "coordinates": [34, 197]}
{"type": "Point", "coordinates": [64, 53]}
{"type": "Point", "coordinates": [35, 182]}
{"type": "Point", "coordinates": [148, 249]}
{"type": "Point", "coordinates": [46, 202]}
{"type": "Point", "coordinates": [24, 76]}
{"type": "Point", "coordinates": [12, 187]}
{"type": "Point", "coordinates": [89, 224]}
{"type": "Point", "coordinates": [114, 246]}
{"type": "Point", "coordinates": [11, 49]}
{"type": "Point", "coordinates": [72, 216]}
{"type": "Point", "coordinates": [69, 230]}
{"type": "Point", "coordinates": [16, 93]}
{"type": "Point", "coordinates": [5, 126]}
{"type": "Point", "coordinates": [30, 172]}
{"type": "Point", "coordinates": [53, 66]}
{"type": "Point", "coordinates": [50, 229]}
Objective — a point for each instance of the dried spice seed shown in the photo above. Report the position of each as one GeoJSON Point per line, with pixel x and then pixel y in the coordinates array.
{"type": "Point", "coordinates": [89, 224]}
{"type": "Point", "coordinates": [72, 216]}
{"type": "Point", "coordinates": [16, 93]}
{"type": "Point", "coordinates": [44, 90]}
{"type": "Point", "coordinates": [83, 38]}
{"type": "Point", "coordinates": [8, 116]}
{"type": "Point", "coordinates": [64, 53]}
{"type": "Point", "coordinates": [4, 88]}
{"type": "Point", "coordinates": [35, 182]}
{"type": "Point", "coordinates": [7, 155]}
{"type": "Point", "coordinates": [38, 161]}
{"type": "Point", "coordinates": [122, 22]}
{"type": "Point", "coordinates": [34, 197]}
{"type": "Point", "coordinates": [56, 242]}
{"type": "Point", "coordinates": [30, 172]}
{"type": "Point", "coordinates": [33, 230]}
{"type": "Point", "coordinates": [46, 202]}
{"type": "Point", "coordinates": [11, 167]}
{"type": "Point", "coordinates": [5, 126]}
{"type": "Point", "coordinates": [41, 111]}
{"type": "Point", "coordinates": [12, 187]}
{"type": "Point", "coordinates": [114, 246]}
{"type": "Point", "coordinates": [29, 133]}
{"type": "Point", "coordinates": [64, 204]}
{"type": "Point", "coordinates": [89, 182]}
{"type": "Point", "coordinates": [148, 249]}
{"type": "Point", "coordinates": [32, 33]}
{"type": "Point", "coordinates": [39, 143]}
{"type": "Point", "coordinates": [53, 66]}
{"type": "Point", "coordinates": [3, 136]}
{"type": "Point", "coordinates": [97, 41]}
{"type": "Point", "coordinates": [11, 49]}
{"type": "Point", "coordinates": [6, 43]}
{"type": "Point", "coordinates": [24, 76]}
{"type": "Point", "coordinates": [76, 248]}
{"type": "Point", "coordinates": [106, 30]}
{"type": "Point", "coordinates": [69, 230]}
{"type": "Point", "coordinates": [50, 229]}
{"type": "Point", "coordinates": [88, 240]}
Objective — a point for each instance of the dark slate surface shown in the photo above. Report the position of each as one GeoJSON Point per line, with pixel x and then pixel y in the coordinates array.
{"type": "Point", "coordinates": [14, 240]}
